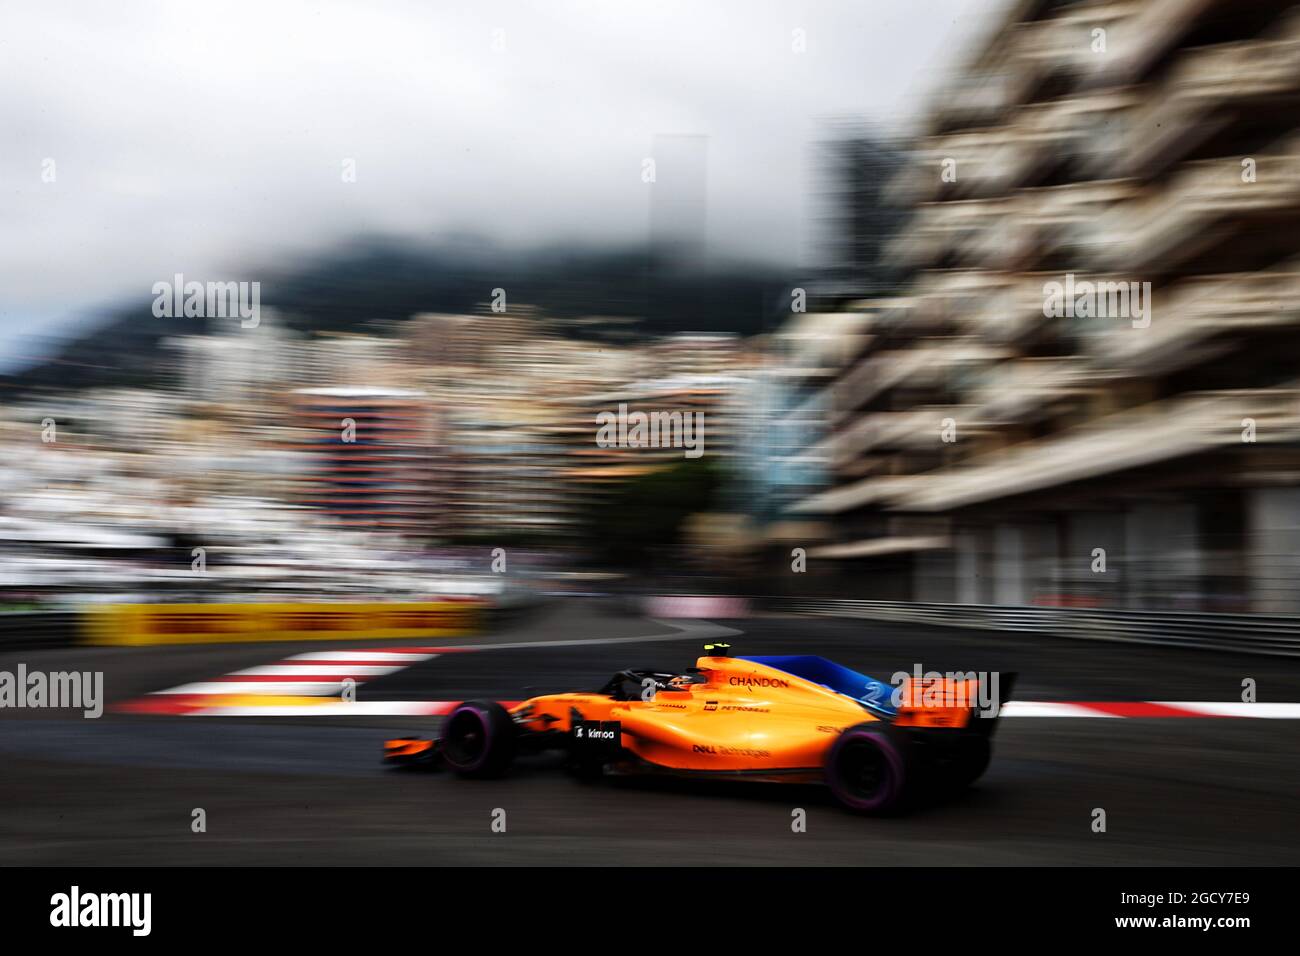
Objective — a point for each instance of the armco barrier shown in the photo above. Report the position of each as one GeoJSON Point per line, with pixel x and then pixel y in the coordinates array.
{"type": "Point", "coordinates": [144, 624]}
{"type": "Point", "coordinates": [695, 605]}
{"type": "Point", "coordinates": [27, 630]}
{"type": "Point", "coordinates": [1240, 633]}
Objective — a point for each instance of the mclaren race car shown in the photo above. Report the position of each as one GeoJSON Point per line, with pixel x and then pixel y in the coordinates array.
{"type": "Point", "coordinates": [795, 719]}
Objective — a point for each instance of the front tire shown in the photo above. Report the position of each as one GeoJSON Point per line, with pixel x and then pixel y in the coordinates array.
{"type": "Point", "coordinates": [478, 739]}
{"type": "Point", "coordinates": [868, 769]}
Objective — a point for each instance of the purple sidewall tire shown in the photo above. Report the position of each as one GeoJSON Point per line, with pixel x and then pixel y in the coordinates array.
{"type": "Point", "coordinates": [460, 716]}
{"type": "Point", "coordinates": [492, 745]}
{"type": "Point", "coordinates": [885, 797]}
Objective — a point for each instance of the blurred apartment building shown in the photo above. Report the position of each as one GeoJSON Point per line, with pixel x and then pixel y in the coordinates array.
{"type": "Point", "coordinates": [987, 441]}
{"type": "Point", "coordinates": [518, 397]}
{"type": "Point", "coordinates": [696, 353]}
{"type": "Point", "coordinates": [502, 386]}
{"type": "Point", "coordinates": [685, 417]}
{"type": "Point", "coordinates": [368, 457]}
{"type": "Point", "coordinates": [475, 428]}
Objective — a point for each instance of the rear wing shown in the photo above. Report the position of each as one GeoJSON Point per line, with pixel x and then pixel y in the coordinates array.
{"type": "Point", "coordinates": [973, 701]}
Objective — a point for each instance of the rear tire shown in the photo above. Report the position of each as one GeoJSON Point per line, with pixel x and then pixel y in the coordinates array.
{"type": "Point", "coordinates": [868, 769]}
{"type": "Point", "coordinates": [478, 739]}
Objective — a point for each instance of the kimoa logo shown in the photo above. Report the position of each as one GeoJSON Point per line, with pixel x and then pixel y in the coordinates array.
{"type": "Point", "coordinates": [74, 909]}
{"type": "Point", "coordinates": [594, 733]}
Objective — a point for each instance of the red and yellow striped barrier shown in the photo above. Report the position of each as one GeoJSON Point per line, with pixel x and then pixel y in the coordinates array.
{"type": "Point", "coordinates": [148, 624]}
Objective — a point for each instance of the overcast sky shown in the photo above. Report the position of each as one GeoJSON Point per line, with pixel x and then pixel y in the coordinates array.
{"type": "Point", "coordinates": [210, 138]}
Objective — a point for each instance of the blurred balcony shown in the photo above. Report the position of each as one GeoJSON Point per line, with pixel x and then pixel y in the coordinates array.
{"type": "Point", "coordinates": [1201, 318]}
{"type": "Point", "coordinates": [915, 428]}
{"type": "Point", "coordinates": [1151, 434]}
{"type": "Point", "coordinates": [1013, 311]}
{"type": "Point", "coordinates": [1199, 208]}
{"type": "Point", "coordinates": [1057, 132]}
{"type": "Point", "coordinates": [1056, 55]}
{"type": "Point", "coordinates": [1052, 221]}
{"type": "Point", "coordinates": [858, 494]}
{"type": "Point", "coordinates": [927, 366]}
{"type": "Point", "coordinates": [1061, 219]}
{"type": "Point", "coordinates": [1209, 88]}
{"type": "Point", "coordinates": [1026, 389]}
{"type": "Point", "coordinates": [1154, 29]}
{"type": "Point", "coordinates": [944, 300]}
{"type": "Point", "coordinates": [816, 345]}
{"type": "Point", "coordinates": [975, 101]}
{"type": "Point", "coordinates": [878, 547]}
{"type": "Point", "coordinates": [945, 233]}
{"type": "Point", "coordinates": [979, 162]}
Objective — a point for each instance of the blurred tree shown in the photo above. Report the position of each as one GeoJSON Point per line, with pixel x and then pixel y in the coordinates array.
{"type": "Point", "coordinates": [639, 525]}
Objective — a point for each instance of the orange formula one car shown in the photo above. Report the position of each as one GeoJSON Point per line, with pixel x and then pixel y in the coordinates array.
{"type": "Point", "coordinates": [782, 719]}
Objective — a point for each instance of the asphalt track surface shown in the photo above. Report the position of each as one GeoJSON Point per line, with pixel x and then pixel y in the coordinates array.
{"type": "Point", "coordinates": [120, 790]}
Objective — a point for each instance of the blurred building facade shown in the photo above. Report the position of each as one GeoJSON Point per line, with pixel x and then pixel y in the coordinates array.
{"type": "Point", "coordinates": [369, 457]}
{"type": "Point", "coordinates": [1086, 389]}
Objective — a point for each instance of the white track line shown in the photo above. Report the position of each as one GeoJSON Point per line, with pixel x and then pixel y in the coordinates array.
{"type": "Point", "coordinates": [1049, 708]}
{"type": "Point", "coordinates": [338, 708]}
{"type": "Point", "coordinates": [318, 670]}
{"type": "Point", "coordinates": [361, 654]}
{"type": "Point", "coordinates": [296, 688]}
{"type": "Point", "coordinates": [1237, 708]}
